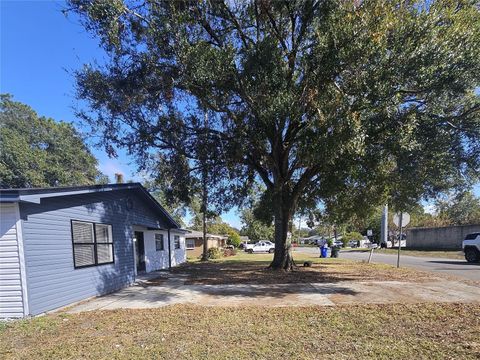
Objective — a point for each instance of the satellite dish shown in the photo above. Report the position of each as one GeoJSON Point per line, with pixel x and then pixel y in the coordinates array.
{"type": "Point", "coordinates": [405, 219]}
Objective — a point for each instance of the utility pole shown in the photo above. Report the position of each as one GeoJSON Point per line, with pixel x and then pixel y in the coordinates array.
{"type": "Point", "coordinates": [299, 224]}
{"type": "Point", "coordinates": [384, 226]}
{"type": "Point", "coordinates": [399, 239]}
{"type": "Point", "coordinates": [205, 194]}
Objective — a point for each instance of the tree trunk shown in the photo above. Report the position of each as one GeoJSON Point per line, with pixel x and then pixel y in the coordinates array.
{"type": "Point", "coordinates": [204, 216]}
{"type": "Point", "coordinates": [282, 259]}
{"type": "Point", "coordinates": [204, 228]}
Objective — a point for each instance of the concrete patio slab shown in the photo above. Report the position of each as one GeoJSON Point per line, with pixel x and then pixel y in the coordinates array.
{"type": "Point", "coordinates": [158, 292]}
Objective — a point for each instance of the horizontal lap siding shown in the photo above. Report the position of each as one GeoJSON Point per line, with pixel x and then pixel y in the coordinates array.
{"type": "Point", "coordinates": [53, 281]}
{"type": "Point", "coordinates": [11, 299]}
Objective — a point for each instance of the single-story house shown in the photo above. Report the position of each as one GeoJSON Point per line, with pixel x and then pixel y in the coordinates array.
{"type": "Point", "coordinates": [194, 242]}
{"type": "Point", "coordinates": [66, 244]}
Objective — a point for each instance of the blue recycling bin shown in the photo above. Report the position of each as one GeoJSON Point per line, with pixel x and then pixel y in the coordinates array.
{"type": "Point", "coordinates": [324, 252]}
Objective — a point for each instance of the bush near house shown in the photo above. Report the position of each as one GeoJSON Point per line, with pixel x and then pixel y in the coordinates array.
{"type": "Point", "coordinates": [214, 253]}
{"type": "Point", "coordinates": [229, 252]}
{"type": "Point", "coordinates": [234, 239]}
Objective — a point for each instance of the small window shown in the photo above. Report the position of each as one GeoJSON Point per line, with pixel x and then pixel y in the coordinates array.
{"type": "Point", "coordinates": [189, 244]}
{"type": "Point", "coordinates": [159, 242]}
{"type": "Point", "coordinates": [92, 244]}
{"type": "Point", "coordinates": [176, 242]}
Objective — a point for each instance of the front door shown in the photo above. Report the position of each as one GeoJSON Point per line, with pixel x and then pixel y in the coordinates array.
{"type": "Point", "coordinates": [139, 251]}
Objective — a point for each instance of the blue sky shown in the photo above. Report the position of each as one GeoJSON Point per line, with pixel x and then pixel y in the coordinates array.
{"type": "Point", "coordinates": [40, 48]}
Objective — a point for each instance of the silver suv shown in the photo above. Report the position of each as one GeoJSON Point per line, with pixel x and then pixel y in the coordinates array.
{"type": "Point", "coordinates": [471, 247]}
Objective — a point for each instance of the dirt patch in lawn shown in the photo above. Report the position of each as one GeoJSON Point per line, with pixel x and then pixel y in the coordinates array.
{"type": "Point", "coordinates": [321, 271]}
{"type": "Point", "coordinates": [411, 331]}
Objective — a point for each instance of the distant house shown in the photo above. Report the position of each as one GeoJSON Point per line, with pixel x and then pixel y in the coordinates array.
{"type": "Point", "coordinates": [244, 239]}
{"type": "Point", "coordinates": [194, 242]}
{"type": "Point", "coordinates": [62, 245]}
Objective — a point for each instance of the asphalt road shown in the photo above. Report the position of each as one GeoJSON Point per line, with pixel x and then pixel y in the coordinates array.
{"type": "Point", "coordinates": [454, 267]}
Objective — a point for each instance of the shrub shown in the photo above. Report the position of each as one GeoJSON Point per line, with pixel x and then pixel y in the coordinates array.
{"type": "Point", "coordinates": [229, 252]}
{"type": "Point", "coordinates": [214, 253]}
{"type": "Point", "coordinates": [234, 239]}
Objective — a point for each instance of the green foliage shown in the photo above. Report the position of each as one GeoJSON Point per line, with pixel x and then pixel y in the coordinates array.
{"type": "Point", "coordinates": [215, 224]}
{"type": "Point", "coordinates": [356, 236]}
{"type": "Point", "coordinates": [214, 253]}
{"type": "Point", "coordinates": [461, 209]}
{"type": "Point", "coordinates": [234, 239]}
{"type": "Point", "coordinates": [229, 252]}
{"type": "Point", "coordinates": [174, 207]}
{"type": "Point", "coordinates": [255, 229]}
{"type": "Point", "coordinates": [352, 104]}
{"type": "Point", "coordinates": [40, 152]}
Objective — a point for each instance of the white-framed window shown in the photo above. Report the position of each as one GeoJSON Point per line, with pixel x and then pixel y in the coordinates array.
{"type": "Point", "coordinates": [176, 241]}
{"type": "Point", "coordinates": [189, 244]}
{"type": "Point", "coordinates": [159, 245]}
{"type": "Point", "coordinates": [92, 244]}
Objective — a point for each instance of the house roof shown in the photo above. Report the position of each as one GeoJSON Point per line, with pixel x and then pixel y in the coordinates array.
{"type": "Point", "coordinates": [34, 195]}
{"type": "Point", "coordinates": [199, 234]}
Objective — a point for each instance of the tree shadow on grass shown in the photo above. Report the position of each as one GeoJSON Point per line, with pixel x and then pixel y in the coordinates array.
{"type": "Point", "coordinates": [218, 273]}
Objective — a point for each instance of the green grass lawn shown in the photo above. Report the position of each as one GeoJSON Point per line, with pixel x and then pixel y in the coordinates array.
{"type": "Point", "coordinates": [433, 331]}
{"type": "Point", "coordinates": [245, 268]}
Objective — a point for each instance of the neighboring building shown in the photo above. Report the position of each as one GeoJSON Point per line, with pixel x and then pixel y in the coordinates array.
{"type": "Point", "coordinates": [194, 242]}
{"type": "Point", "coordinates": [62, 245]}
{"type": "Point", "coordinates": [244, 239]}
{"type": "Point", "coordinates": [448, 237]}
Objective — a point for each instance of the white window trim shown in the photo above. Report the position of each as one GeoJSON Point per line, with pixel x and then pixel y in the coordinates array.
{"type": "Point", "coordinates": [179, 242]}
{"type": "Point", "coordinates": [188, 247]}
{"type": "Point", "coordinates": [163, 241]}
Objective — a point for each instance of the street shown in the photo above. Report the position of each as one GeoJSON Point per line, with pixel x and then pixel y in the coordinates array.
{"type": "Point", "coordinates": [453, 267]}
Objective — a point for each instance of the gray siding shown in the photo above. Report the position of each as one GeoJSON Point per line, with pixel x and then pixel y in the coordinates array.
{"type": "Point", "coordinates": [52, 280]}
{"type": "Point", "coordinates": [11, 298]}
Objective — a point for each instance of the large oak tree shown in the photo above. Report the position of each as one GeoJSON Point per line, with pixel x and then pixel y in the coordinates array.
{"type": "Point", "coordinates": [357, 102]}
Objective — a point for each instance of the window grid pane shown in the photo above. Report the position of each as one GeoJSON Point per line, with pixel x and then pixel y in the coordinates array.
{"type": "Point", "coordinates": [189, 244]}
{"type": "Point", "coordinates": [84, 254]}
{"type": "Point", "coordinates": [102, 233]}
{"type": "Point", "coordinates": [159, 242]}
{"type": "Point", "coordinates": [176, 241]}
{"type": "Point", "coordinates": [104, 253]}
{"type": "Point", "coordinates": [92, 244]}
{"type": "Point", "coordinates": [82, 232]}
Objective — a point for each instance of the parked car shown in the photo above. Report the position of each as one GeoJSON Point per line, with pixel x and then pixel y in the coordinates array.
{"type": "Point", "coordinates": [353, 243]}
{"type": "Point", "coordinates": [471, 247]}
{"type": "Point", "coordinates": [261, 246]}
{"type": "Point", "coordinates": [338, 243]}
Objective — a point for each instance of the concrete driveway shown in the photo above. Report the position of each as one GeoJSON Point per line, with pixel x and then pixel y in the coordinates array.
{"type": "Point", "coordinates": [459, 268]}
{"type": "Point", "coordinates": [167, 289]}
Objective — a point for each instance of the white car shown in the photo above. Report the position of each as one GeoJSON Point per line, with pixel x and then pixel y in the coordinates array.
{"type": "Point", "coordinates": [471, 247]}
{"type": "Point", "coordinates": [261, 246]}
